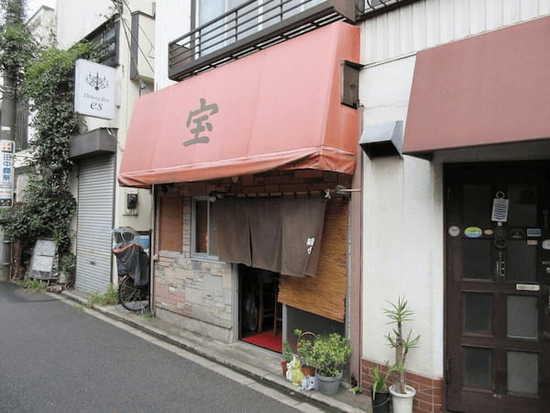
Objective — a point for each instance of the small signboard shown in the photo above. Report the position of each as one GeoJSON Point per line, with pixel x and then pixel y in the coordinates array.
{"type": "Point", "coordinates": [95, 87]}
{"type": "Point", "coordinates": [7, 177]}
{"type": "Point", "coordinates": [43, 260]}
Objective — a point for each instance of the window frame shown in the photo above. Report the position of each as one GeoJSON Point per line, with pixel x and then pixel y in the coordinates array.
{"type": "Point", "coordinates": [194, 254]}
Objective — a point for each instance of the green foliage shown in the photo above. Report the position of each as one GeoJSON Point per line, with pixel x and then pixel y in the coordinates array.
{"type": "Point", "coordinates": [67, 263]}
{"type": "Point", "coordinates": [402, 343]}
{"type": "Point", "coordinates": [330, 354]}
{"type": "Point", "coordinates": [49, 205]}
{"type": "Point", "coordinates": [109, 297]}
{"type": "Point", "coordinates": [33, 285]}
{"type": "Point", "coordinates": [287, 352]}
{"type": "Point", "coordinates": [304, 346]}
{"type": "Point", "coordinates": [380, 379]}
{"type": "Point", "coordinates": [17, 46]}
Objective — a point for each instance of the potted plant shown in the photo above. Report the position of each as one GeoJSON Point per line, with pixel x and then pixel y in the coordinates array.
{"type": "Point", "coordinates": [287, 357]}
{"type": "Point", "coordinates": [329, 355]}
{"type": "Point", "coordinates": [304, 347]}
{"type": "Point", "coordinates": [402, 343]}
{"type": "Point", "coordinates": [380, 393]}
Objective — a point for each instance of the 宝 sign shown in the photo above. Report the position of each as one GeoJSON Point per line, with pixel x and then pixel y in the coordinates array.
{"type": "Point", "coordinates": [7, 177]}
{"type": "Point", "coordinates": [95, 87]}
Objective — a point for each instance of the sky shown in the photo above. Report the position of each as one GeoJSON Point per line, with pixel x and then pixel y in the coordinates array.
{"type": "Point", "coordinates": [34, 5]}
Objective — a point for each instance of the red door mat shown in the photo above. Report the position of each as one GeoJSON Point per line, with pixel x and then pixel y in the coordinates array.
{"type": "Point", "coordinates": [266, 340]}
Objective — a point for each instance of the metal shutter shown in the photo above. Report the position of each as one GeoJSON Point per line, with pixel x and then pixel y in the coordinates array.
{"type": "Point", "coordinates": [95, 222]}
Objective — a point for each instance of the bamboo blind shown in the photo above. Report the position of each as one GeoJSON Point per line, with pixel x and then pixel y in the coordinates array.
{"type": "Point", "coordinates": [325, 294]}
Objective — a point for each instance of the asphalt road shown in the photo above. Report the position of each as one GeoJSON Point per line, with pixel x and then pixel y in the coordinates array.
{"type": "Point", "coordinates": [56, 358]}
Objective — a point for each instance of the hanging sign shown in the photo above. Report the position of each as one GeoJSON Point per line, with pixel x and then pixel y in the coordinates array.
{"type": "Point", "coordinates": [7, 177]}
{"type": "Point", "coordinates": [95, 87]}
{"type": "Point", "coordinates": [500, 208]}
{"type": "Point", "coordinates": [473, 232]}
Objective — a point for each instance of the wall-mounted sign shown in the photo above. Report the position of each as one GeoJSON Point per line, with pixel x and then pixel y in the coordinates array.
{"type": "Point", "coordinates": [527, 287]}
{"type": "Point", "coordinates": [534, 232]}
{"type": "Point", "coordinates": [95, 87]}
{"type": "Point", "coordinates": [546, 244]}
{"type": "Point", "coordinates": [473, 232]}
{"type": "Point", "coordinates": [7, 148]}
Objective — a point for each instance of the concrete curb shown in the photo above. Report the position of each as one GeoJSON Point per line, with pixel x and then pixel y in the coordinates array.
{"type": "Point", "coordinates": [274, 381]}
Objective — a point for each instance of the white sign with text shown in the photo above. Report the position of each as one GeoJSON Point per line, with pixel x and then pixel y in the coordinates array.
{"type": "Point", "coordinates": [95, 87]}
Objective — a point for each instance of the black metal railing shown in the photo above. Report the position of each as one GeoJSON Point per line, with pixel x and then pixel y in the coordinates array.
{"type": "Point", "coordinates": [258, 24]}
{"type": "Point", "coordinates": [376, 7]}
{"type": "Point", "coordinates": [254, 25]}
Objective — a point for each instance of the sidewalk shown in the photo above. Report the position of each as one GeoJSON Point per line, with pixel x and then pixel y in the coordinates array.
{"type": "Point", "coordinates": [258, 364]}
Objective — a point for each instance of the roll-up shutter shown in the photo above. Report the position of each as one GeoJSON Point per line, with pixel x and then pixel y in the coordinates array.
{"type": "Point", "coordinates": [95, 222]}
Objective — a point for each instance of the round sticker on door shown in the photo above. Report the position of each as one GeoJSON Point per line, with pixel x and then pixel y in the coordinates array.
{"type": "Point", "coordinates": [473, 232]}
{"type": "Point", "coordinates": [546, 244]}
{"type": "Point", "coordinates": [454, 231]}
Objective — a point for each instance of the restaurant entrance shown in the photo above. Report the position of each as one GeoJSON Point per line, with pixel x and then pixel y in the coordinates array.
{"type": "Point", "coordinates": [260, 315]}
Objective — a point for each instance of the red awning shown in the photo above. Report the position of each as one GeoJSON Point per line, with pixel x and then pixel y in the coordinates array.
{"type": "Point", "coordinates": [276, 109]}
{"type": "Point", "coordinates": [492, 88]}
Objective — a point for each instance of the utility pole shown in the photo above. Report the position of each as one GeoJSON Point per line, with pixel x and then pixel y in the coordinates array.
{"type": "Point", "coordinates": [13, 14]}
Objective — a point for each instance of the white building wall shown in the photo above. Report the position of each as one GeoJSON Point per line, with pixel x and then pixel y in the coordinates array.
{"type": "Point", "coordinates": [403, 216]}
{"type": "Point", "coordinates": [175, 16]}
{"type": "Point", "coordinates": [403, 253]}
{"type": "Point", "coordinates": [428, 23]}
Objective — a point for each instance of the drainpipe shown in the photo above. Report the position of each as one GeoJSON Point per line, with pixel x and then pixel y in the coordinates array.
{"type": "Point", "coordinates": [152, 250]}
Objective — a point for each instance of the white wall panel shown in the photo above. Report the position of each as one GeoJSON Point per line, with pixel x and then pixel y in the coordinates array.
{"type": "Point", "coordinates": [429, 23]}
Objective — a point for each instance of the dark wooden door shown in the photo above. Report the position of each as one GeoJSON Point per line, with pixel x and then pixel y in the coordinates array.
{"type": "Point", "coordinates": [497, 297]}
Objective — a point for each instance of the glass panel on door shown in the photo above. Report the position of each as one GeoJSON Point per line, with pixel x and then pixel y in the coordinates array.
{"type": "Point", "coordinates": [478, 313]}
{"type": "Point", "coordinates": [522, 317]}
{"type": "Point", "coordinates": [478, 368]}
{"type": "Point", "coordinates": [477, 259]}
{"type": "Point", "coordinates": [523, 372]}
{"type": "Point", "coordinates": [522, 261]}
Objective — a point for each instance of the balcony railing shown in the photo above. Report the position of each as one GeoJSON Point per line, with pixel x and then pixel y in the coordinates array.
{"type": "Point", "coordinates": [253, 26]}
{"type": "Point", "coordinates": [258, 24]}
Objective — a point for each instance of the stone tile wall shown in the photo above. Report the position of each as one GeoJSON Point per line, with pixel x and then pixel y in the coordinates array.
{"type": "Point", "coordinates": [198, 289]}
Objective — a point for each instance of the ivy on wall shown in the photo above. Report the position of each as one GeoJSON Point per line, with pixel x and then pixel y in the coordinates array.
{"type": "Point", "coordinates": [46, 81]}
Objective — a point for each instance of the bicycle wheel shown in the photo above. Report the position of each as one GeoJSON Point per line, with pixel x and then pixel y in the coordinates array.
{"type": "Point", "coordinates": [133, 298]}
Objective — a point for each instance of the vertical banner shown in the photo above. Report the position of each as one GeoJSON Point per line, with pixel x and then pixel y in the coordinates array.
{"type": "Point", "coordinates": [7, 177]}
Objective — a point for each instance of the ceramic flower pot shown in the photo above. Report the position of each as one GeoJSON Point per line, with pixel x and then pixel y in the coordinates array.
{"type": "Point", "coordinates": [308, 371]}
{"type": "Point", "coordinates": [329, 385]}
{"type": "Point", "coordinates": [402, 402]}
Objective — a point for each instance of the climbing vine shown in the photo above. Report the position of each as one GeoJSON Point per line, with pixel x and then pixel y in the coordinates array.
{"type": "Point", "coordinates": [48, 206]}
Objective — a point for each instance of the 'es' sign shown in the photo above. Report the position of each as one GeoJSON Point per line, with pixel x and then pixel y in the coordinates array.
{"type": "Point", "coordinates": [94, 89]}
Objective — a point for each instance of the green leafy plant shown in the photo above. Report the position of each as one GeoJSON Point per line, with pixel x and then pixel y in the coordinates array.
{"type": "Point", "coordinates": [67, 263]}
{"type": "Point", "coordinates": [109, 297]}
{"type": "Point", "coordinates": [304, 346]}
{"type": "Point", "coordinates": [380, 379]}
{"type": "Point", "coordinates": [330, 354]}
{"type": "Point", "coordinates": [401, 342]}
{"type": "Point", "coordinates": [287, 352]}
{"type": "Point", "coordinates": [49, 205]}
{"type": "Point", "coordinates": [33, 285]}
